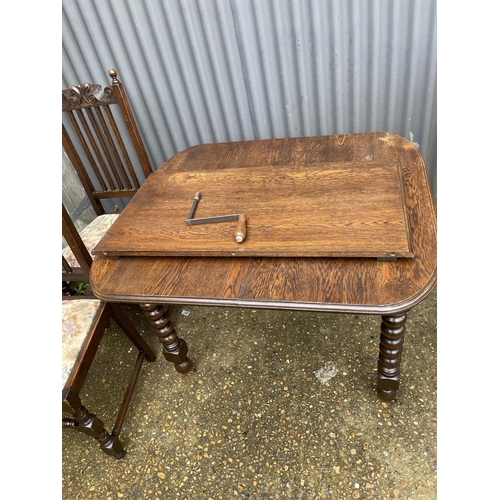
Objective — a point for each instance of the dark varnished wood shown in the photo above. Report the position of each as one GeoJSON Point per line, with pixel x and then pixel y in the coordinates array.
{"type": "Point", "coordinates": [75, 242]}
{"type": "Point", "coordinates": [391, 348]}
{"type": "Point", "coordinates": [89, 424]}
{"type": "Point", "coordinates": [175, 349]}
{"type": "Point", "coordinates": [336, 285]}
{"type": "Point", "coordinates": [96, 131]}
{"type": "Point", "coordinates": [82, 420]}
{"type": "Point", "coordinates": [347, 285]}
{"type": "Point", "coordinates": [353, 209]}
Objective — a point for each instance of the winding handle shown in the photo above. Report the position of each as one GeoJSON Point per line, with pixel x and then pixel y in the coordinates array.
{"type": "Point", "coordinates": [241, 228]}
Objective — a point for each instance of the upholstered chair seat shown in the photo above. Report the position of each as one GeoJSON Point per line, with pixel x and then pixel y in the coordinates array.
{"type": "Point", "coordinates": [91, 235]}
{"type": "Point", "coordinates": [78, 317]}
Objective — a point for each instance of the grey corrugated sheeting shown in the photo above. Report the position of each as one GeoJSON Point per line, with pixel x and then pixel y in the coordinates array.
{"type": "Point", "coordinates": [228, 70]}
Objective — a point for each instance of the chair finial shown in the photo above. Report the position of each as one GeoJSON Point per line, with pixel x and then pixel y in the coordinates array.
{"type": "Point", "coordinates": [113, 74]}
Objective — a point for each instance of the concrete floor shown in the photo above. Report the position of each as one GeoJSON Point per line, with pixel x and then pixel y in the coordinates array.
{"type": "Point", "coordinates": [253, 422]}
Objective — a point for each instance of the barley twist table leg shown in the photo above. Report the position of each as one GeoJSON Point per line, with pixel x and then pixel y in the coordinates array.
{"type": "Point", "coordinates": [391, 347]}
{"type": "Point", "coordinates": [174, 349]}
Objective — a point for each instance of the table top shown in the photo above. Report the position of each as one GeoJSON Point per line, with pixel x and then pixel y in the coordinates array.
{"type": "Point", "coordinates": [327, 283]}
{"type": "Point", "coordinates": [343, 209]}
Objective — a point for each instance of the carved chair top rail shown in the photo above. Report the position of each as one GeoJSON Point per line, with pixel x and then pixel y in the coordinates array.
{"type": "Point", "coordinates": [88, 95]}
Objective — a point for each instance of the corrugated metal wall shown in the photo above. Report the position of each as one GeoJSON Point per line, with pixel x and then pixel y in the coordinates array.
{"type": "Point", "coordinates": [226, 70]}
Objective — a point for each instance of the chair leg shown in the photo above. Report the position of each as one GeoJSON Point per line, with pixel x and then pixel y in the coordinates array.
{"type": "Point", "coordinates": [131, 331]}
{"type": "Point", "coordinates": [89, 424]}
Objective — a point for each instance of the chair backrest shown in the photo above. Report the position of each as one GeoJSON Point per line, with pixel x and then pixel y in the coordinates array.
{"type": "Point", "coordinates": [105, 166]}
{"type": "Point", "coordinates": [80, 252]}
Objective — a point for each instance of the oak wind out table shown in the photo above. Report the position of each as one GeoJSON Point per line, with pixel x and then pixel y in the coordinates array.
{"type": "Point", "coordinates": [341, 223]}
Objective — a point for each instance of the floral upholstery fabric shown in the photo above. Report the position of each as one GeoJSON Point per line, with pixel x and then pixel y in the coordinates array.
{"type": "Point", "coordinates": [91, 235]}
{"type": "Point", "coordinates": [77, 319]}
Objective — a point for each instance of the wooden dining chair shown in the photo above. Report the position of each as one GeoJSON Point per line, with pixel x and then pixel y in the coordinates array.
{"type": "Point", "coordinates": [105, 150]}
{"type": "Point", "coordinates": [104, 146]}
{"type": "Point", "coordinates": [84, 321]}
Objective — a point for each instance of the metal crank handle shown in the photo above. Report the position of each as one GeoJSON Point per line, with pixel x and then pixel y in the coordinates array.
{"type": "Point", "coordinates": [197, 197]}
{"type": "Point", "coordinates": [241, 228]}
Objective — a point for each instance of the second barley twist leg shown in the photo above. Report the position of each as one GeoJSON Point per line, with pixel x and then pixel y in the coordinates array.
{"type": "Point", "coordinates": [391, 347]}
{"type": "Point", "coordinates": [174, 349]}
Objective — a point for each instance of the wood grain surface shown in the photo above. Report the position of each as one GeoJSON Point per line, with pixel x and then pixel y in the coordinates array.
{"type": "Point", "coordinates": [361, 285]}
{"type": "Point", "coordinates": [344, 209]}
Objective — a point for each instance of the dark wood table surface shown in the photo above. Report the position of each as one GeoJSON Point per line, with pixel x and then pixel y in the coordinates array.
{"type": "Point", "coordinates": [330, 284]}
